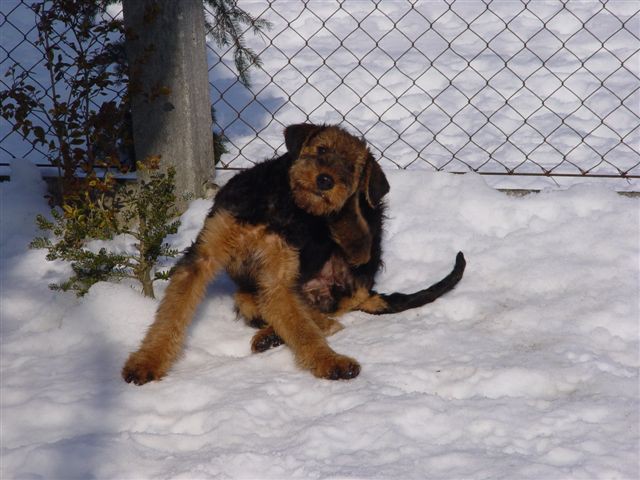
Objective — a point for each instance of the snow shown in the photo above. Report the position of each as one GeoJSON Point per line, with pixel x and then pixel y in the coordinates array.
{"type": "Point", "coordinates": [527, 370]}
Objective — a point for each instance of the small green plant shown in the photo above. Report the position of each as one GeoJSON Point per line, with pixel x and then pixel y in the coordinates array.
{"type": "Point", "coordinates": [149, 206]}
{"type": "Point", "coordinates": [82, 125]}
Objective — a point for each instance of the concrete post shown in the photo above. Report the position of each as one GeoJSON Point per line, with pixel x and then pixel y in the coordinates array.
{"type": "Point", "coordinates": [170, 105]}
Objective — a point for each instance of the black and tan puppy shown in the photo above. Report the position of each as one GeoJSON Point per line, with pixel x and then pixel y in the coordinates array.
{"type": "Point", "coordinates": [301, 236]}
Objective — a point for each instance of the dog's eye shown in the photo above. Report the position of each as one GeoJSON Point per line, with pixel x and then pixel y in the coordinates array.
{"type": "Point", "coordinates": [321, 150]}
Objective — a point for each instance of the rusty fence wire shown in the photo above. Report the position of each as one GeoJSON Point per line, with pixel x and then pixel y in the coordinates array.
{"type": "Point", "coordinates": [517, 88]}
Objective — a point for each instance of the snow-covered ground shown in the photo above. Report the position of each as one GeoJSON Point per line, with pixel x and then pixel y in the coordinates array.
{"type": "Point", "coordinates": [528, 369]}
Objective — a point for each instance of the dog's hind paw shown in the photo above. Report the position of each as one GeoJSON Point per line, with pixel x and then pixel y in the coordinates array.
{"type": "Point", "coordinates": [257, 322]}
{"type": "Point", "coordinates": [265, 339]}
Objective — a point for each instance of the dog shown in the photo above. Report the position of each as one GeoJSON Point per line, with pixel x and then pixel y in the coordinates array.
{"type": "Point", "coordinates": [301, 237]}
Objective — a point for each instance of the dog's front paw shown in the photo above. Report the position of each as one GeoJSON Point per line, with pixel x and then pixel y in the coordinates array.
{"type": "Point", "coordinates": [336, 367]}
{"type": "Point", "coordinates": [140, 369]}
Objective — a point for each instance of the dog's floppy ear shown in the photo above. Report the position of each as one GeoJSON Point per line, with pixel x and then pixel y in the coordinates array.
{"type": "Point", "coordinates": [375, 184]}
{"type": "Point", "coordinates": [296, 135]}
{"type": "Point", "coordinates": [350, 230]}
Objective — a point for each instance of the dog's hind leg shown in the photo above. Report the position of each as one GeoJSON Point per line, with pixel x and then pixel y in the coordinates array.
{"type": "Point", "coordinates": [163, 341]}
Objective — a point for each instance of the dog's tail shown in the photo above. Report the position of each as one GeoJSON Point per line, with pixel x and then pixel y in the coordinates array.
{"type": "Point", "coordinates": [381, 303]}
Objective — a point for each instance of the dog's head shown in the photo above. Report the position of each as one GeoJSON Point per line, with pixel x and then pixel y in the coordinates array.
{"type": "Point", "coordinates": [330, 166]}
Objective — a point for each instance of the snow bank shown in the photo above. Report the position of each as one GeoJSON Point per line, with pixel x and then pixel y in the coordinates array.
{"type": "Point", "coordinates": [528, 369]}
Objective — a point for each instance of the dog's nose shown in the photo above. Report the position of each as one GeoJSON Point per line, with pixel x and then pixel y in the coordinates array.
{"type": "Point", "coordinates": [324, 181]}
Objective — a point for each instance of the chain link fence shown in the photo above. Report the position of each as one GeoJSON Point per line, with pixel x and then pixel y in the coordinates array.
{"type": "Point", "coordinates": [499, 88]}
{"type": "Point", "coordinates": [19, 49]}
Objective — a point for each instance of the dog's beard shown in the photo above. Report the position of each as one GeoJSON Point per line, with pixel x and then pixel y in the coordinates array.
{"type": "Point", "coordinates": [311, 201]}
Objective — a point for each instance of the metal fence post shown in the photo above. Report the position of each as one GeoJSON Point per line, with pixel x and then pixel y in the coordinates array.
{"type": "Point", "coordinates": [169, 87]}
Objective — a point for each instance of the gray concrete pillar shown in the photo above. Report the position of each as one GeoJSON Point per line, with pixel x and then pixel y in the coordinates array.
{"type": "Point", "coordinates": [171, 109]}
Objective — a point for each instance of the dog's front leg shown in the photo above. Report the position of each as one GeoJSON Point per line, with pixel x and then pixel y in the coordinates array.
{"type": "Point", "coordinates": [163, 341]}
{"type": "Point", "coordinates": [291, 319]}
